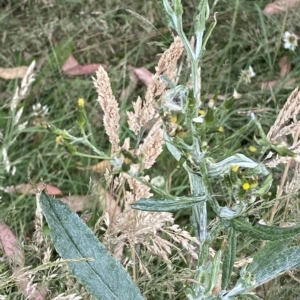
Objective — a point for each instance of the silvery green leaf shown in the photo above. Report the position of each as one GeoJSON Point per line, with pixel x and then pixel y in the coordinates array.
{"type": "Point", "coordinates": [224, 166]}
{"type": "Point", "coordinates": [153, 204]}
{"type": "Point", "coordinates": [228, 259]}
{"type": "Point", "coordinates": [101, 274]}
{"type": "Point", "coordinates": [265, 186]}
{"type": "Point", "coordinates": [171, 147]}
{"type": "Point", "coordinates": [267, 252]}
{"type": "Point", "coordinates": [214, 272]}
{"type": "Point", "coordinates": [268, 263]}
{"type": "Point", "coordinates": [264, 232]}
{"type": "Point", "coordinates": [230, 213]}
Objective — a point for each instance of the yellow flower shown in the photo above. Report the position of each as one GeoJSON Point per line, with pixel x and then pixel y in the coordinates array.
{"type": "Point", "coordinates": [246, 186]}
{"type": "Point", "coordinates": [173, 118]}
{"type": "Point", "coordinates": [181, 134]}
{"type": "Point", "coordinates": [221, 129]}
{"type": "Point", "coordinates": [202, 112]}
{"type": "Point", "coordinates": [81, 102]}
{"type": "Point", "coordinates": [234, 168]}
{"type": "Point", "coordinates": [252, 149]}
{"type": "Point", "coordinates": [59, 139]}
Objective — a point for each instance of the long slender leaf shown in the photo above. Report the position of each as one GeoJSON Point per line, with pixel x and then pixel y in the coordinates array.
{"type": "Point", "coordinates": [153, 204]}
{"type": "Point", "coordinates": [103, 276]}
{"type": "Point", "coordinates": [229, 257]}
{"type": "Point", "coordinates": [264, 232]}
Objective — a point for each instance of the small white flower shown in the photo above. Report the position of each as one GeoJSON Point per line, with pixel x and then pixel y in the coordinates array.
{"type": "Point", "coordinates": [236, 94]}
{"type": "Point", "coordinates": [6, 162]}
{"type": "Point", "coordinates": [22, 126]}
{"type": "Point", "coordinates": [246, 75]}
{"type": "Point", "coordinates": [199, 119]}
{"type": "Point", "coordinates": [211, 103]}
{"type": "Point", "coordinates": [251, 72]}
{"type": "Point", "coordinates": [290, 40]}
{"type": "Point", "coordinates": [39, 111]}
{"type": "Point", "coordinates": [13, 171]}
{"type": "Point", "coordinates": [262, 222]}
{"type": "Point", "coordinates": [158, 181]}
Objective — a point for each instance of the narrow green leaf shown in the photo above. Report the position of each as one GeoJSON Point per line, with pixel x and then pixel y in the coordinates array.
{"type": "Point", "coordinates": [228, 103]}
{"type": "Point", "coordinates": [152, 204]}
{"type": "Point", "coordinates": [264, 232]}
{"type": "Point", "coordinates": [103, 276]}
{"type": "Point", "coordinates": [229, 257]}
{"type": "Point", "coordinates": [234, 140]}
{"type": "Point", "coordinates": [214, 272]}
{"type": "Point", "coordinates": [248, 297]}
{"type": "Point", "coordinates": [174, 150]}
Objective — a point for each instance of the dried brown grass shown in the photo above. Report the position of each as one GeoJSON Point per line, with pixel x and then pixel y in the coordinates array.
{"type": "Point", "coordinates": [286, 124]}
{"type": "Point", "coordinates": [153, 231]}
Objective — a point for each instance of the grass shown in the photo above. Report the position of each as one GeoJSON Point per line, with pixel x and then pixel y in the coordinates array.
{"type": "Point", "coordinates": [108, 32]}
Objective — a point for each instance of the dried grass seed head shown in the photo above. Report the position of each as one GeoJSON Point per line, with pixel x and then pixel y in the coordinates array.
{"type": "Point", "coordinates": [142, 115]}
{"type": "Point", "coordinates": [21, 92]}
{"type": "Point", "coordinates": [289, 111]}
{"type": "Point", "coordinates": [167, 66]}
{"type": "Point", "coordinates": [152, 146]}
{"type": "Point", "coordinates": [110, 108]}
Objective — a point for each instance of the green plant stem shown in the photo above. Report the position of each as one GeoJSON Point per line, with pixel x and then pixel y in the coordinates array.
{"type": "Point", "coordinates": [92, 156]}
{"type": "Point", "coordinates": [87, 143]}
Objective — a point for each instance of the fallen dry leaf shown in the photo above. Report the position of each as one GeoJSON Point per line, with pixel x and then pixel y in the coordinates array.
{"type": "Point", "coordinates": [144, 75]}
{"type": "Point", "coordinates": [70, 63]}
{"type": "Point", "coordinates": [219, 97]}
{"type": "Point", "coordinates": [280, 6]}
{"type": "Point", "coordinates": [27, 188]}
{"type": "Point", "coordinates": [13, 73]}
{"type": "Point", "coordinates": [285, 66]}
{"type": "Point", "coordinates": [102, 198]}
{"type": "Point", "coordinates": [79, 203]}
{"type": "Point", "coordinates": [278, 82]}
{"type": "Point", "coordinates": [73, 68]}
{"type": "Point", "coordinates": [10, 246]}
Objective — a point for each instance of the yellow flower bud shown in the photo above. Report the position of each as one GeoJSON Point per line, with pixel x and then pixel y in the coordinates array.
{"type": "Point", "coordinates": [234, 168]}
{"type": "Point", "coordinates": [80, 102]}
{"type": "Point", "coordinates": [59, 139]}
{"type": "Point", "coordinates": [252, 149]}
{"type": "Point", "coordinates": [173, 119]}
